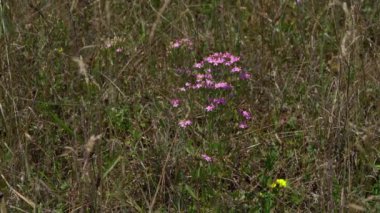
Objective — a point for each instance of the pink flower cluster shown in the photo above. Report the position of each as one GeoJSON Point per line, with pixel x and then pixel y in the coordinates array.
{"type": "Point", "coordinates": [245, 76]}
{"type": "Point", "coordinates": [222, 85]}
{"type": "Point", "coordinates": [210, 107]}
{"type": "Point", "coordinates": [206, 158]}
{"type": "Point", "coordinates": [243, 125]}
{"type": "Point", "coordinates": [175, 102]}
{"type": "Point", "coordinates": [247, 116]}
{"type": "Point", "coordinates": [206, 81]}
{"type": "Point", "coordinates": [235, 69]}
{"type": "Point", "coordinates": [219, 101]}
{"type": "Point", "coordinates": [214, 104]}
{"type": "Point", "coordinates": [209, 76]}
{"type": "Point", "coordinates": [185, 123]}
{"type": "Point", "coordinates": [225, 58]}
{"type": "Point", "coordinates": [184, 42]}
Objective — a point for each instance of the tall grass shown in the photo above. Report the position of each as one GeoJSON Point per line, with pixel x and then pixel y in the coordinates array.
{"type": "Point", "coordinates": [87, 123]}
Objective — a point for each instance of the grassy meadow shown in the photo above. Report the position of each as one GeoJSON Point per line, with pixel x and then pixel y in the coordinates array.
{"type": "Point", "coordinates": [190, 106]}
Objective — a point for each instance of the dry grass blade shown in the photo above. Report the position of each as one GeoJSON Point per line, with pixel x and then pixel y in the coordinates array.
{"type": "Point", "coordinates": [82, 68]}
{"type": "Point", "coordinates": [88, 151]}
{"type": "Point", "coordinates": [3, 208]}
{"type": "Point", "coordinates": [3, 115]}
{"type": "Point", "coordinates": [158, 19]}
{"type": "Point", "coordinates": [162, 177]}
{"type": "Point", "coordinates": [90, 144]}
{"type": "Point", "coordinates": [24, 198]}
{"type": "Point", "coordinates": [356, 207]}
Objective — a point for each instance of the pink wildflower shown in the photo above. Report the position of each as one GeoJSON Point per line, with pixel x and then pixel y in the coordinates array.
{"type": "Point", "coordinates": [247, 115]}
{"type": "Point", "coordinates": [221, 58]}
{"type": "Point", "coordinates": [209, 83]}
{"type": "Point", "coordinates": [235, 69]}
{"type": "Point", "coordinates": [215, 59]}
{"type": "Point", "coordinates": [118, 50]}
{"type": "Point", "coordinates": [222, 85]}
{"type": "Point", "coordinates": [181, 42]}
{"type": "Point", "coordinates": [206, 157]}
{"type": "Point", "coordinates": [210, 108]}
{"type": "Point", "coordinates": [198, 65]}
{"type": "Point", "coordinates": [199, 77]}
{"type": "Point", "coordinates": [245, 76]}
{"type": "Point", "coordinates": [219, 101]}
{"type": "Point", "coordinates": [182, 89]}
{"type": "Point", "coordinates": [175, 102]}
{"type": "Point", "coordinates": [243, 125]}
{"type": "Point", "coordinates": [208, 76]}
{"type": "Point", "coordinates": [197, 86]}
{"type": "Point", "coordinates": [234, 59]}
{"type": "Point", "coordinates": [185, 123]}
{"type": "Point", "coordinates": [175, 45]}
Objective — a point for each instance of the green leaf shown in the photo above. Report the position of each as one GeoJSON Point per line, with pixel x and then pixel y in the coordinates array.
{"type": "Point", "coordinates": [111, 167]}
{"type": "Point", "coordinates": [191, 191]}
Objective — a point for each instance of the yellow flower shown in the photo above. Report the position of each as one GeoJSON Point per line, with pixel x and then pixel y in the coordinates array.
{"type": "Point", "coordinates": [273, 185]}
{"type": "Point", "coordinates": [280, 183]}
